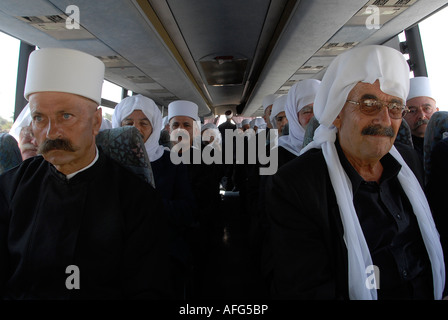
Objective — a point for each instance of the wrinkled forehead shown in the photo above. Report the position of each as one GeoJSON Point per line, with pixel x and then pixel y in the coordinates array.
{"type": "Point", "coordinates": [49, 101]}
{"type": "Point", "coordinates": [181, 120]}
{"type": "Point", "coordinates": [137, 114]}
{"type": "Point", "coordinates": [364, 90]}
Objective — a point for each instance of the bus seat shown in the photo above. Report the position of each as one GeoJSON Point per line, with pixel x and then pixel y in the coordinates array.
{"type": "Point", "coordinates": [309, 132]}
{"type": "Point", "coordinates": [437, 126]}
{"type": "Point", "coordinates": [126, 146]}
{"type": "Point", "coordinates": [404, 134]}
{"type": "Point", "coordinates": [10, 155]}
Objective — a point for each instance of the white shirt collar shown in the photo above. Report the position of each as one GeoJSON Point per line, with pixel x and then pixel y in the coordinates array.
{"type": "Point", "coordinates": [71, 175]}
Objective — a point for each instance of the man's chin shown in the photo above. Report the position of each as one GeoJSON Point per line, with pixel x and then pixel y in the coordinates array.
{"type": "Point", "coordinates": [56, 157]}
{"type": "Point", "coordinates": [420, 131]}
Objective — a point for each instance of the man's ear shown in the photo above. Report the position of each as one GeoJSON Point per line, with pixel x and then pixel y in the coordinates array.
{"type": "Point", "coordinates": [97, 120]}
{"type": "Point", "coordinates": [337, 122]}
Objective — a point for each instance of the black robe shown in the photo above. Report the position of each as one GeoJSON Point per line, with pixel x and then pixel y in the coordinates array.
{"type": "Point", "coordinates": [105, 220]}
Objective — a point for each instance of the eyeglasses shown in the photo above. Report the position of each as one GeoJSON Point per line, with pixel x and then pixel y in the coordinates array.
{"type": "Point", "coordinates": [426, 108]}
{"type": "Point", "coordinates": [372, 107]}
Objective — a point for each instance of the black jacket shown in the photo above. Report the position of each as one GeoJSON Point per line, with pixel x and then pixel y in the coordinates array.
{"type": "Point", "coordinates": [305, 256]}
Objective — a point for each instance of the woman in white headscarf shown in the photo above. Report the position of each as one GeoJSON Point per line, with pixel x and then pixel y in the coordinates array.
{"type": "Point", "coordinates": [299, 110]}
{"type": "Point", "coordinates": [278, 117]}
{"type": "Point", "coordinates": [142, 113]}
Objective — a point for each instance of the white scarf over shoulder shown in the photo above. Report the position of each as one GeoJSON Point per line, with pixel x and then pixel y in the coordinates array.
{"type": "Point", "coordinates": [300, 95]}
{"type": "Point", "coordinates": [368, 64]}
{"type": "Point", "coordinates": [151, 111]}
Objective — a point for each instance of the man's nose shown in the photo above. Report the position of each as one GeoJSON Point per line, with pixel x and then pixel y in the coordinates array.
{"type": "Point", "coordinates": [53, 130]}
{"type": "Point", "coordinates": [383, 117]}
{"type": "Point", "coordinates": [420, 113]}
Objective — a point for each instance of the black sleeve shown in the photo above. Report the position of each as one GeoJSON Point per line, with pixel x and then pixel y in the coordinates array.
{"type": "Point", "coordinates": [4, 223]}
{"type": "Point", "coordinates": [297, 259]}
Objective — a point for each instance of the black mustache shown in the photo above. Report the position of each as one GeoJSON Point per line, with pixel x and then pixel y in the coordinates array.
{"type": "Point", "coordinates": [378, 130]}
{"type": "Point", "coordinates": [57, 144]}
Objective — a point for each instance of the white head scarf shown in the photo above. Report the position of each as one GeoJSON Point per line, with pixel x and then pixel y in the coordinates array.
{"type": "Point", "coordinates": [277, 107]}
{"type": "Point", "coordinates": [368, 64]}
{"type": "Point", "coordinates": [23, 120]}
{"type": "Point", "coordinates": [268, 100]}
{"type": "Point", "coordinates": [151, 111]}
{"type": "Point", "coordinates": [301, 94]}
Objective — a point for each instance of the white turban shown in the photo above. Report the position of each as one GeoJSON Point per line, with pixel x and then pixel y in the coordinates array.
{"type": "Point", "coordinates": [277, 107]}
{"type": "Point", "coordinates": [183, 108]}
{"type": "Point", "coordinates": [65, 70]}
{"type": "Point", "coordinates": [151, 111]}
{"type": "Point", "coordinates": [420, 87]}
{"type": "Point", "coordinates": [245, 121]}
{"type": "Point", "coordinates": [252, 123]}
{"type": "Point", "coordinates": [23, 120]}
{"type": "Point", "coordinates": [260, 123]}
{"type": "Point", "coordinates": [368, 64]}
{"type": "Point", "coordinates": [301, 94]}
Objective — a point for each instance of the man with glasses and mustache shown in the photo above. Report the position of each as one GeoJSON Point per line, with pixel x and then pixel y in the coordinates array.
{"type": "Point", "coordinates": [348, 217]}
{"type": "Point", "coordinates": [421, 105]}
{"type": "Point", "coordinates": [74, 224]}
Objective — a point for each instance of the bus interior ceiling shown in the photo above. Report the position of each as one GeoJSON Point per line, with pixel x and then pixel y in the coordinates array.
{"type": "Point", "coordinates": [220, 54]}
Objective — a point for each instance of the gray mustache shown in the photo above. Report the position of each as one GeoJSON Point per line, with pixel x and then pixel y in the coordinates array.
{"type": "Point", "coordinates": [378, 130]}
{"type": "Point", "coordinates": [422, 121]}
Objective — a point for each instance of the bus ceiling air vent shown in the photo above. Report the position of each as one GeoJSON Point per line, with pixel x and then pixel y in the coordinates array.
{"type": "Point", "coordinates": [335, 48]}
{"type": "Point", "coordinates": [115, 61]}
{"type": "Point", "coordinates": [391, 3]}
{"type": "Point", "coordinates": [381, 10]}
{"type": "Point", "coordinates": [224, 70]}
{"type": "Point", "coordinates": [60, 27]}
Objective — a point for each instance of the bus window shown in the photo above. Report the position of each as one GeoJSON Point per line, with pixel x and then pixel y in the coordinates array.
{"type": "Point", "coordinates": [435, 48]}
{"type": "Point", "coordinates": [9, 60]}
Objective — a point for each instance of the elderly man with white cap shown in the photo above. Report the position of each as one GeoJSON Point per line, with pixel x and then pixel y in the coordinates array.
{"type": "Point", "coordinates": [422, 105]}
{"type": "Point", "coordinates": [204, 182]}
{"type": "Point", "coordinates": [349, 219]}
{"type": "Point", "coordinates": [183, 115]}
{"type": "Point", "coordinates": [71, 221]}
